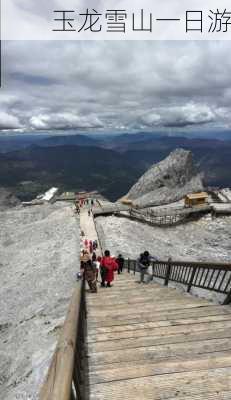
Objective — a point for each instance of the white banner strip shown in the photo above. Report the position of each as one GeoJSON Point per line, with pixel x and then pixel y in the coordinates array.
{"type": "Point", "coordinates": [115, 20]}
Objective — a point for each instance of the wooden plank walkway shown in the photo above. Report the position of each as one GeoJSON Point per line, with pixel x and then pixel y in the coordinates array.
{"type": "Point", "coordinates": [152, 342]}
{"type": "Point", "coordinates": [87, 225]}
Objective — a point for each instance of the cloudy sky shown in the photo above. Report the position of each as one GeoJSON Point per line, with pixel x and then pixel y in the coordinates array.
{"type": "Point", "coordinates": [122, 86]}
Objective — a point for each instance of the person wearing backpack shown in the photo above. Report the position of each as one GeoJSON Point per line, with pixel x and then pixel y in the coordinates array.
{"type": "Point", "coordinates": [144, 262]}
{"type": "Point", "coordinates": [108, 266]}
{"type": "Point", "coordinates": [89, 271]}
{"type": "Point", "coordinates": [120, 262]}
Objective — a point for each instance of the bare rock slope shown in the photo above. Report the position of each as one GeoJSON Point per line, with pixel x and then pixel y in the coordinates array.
{"type": "Point", "coordinates": [39, 250]}
{"type": "Point", "coordinates": [203, 240]}
{"type": "Point", "coordinates": [167, 181]}
{"type": "Point", "coordinates": [7, 199]}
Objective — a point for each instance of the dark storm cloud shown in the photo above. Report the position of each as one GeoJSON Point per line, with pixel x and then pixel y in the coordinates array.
{"type": "Point", "coordinates": [115, 85]}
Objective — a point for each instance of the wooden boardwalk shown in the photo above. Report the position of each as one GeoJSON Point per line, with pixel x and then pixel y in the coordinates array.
{"type": "Point", "coordinates": [165, 217]}
{"type": "Point", "coordinates": [87, 225]}
{"type": "Point", "coordinates": [153, 342]}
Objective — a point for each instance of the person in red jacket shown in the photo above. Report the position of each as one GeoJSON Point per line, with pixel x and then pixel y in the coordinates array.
{"type": "Point", "coordinates": [108, 265]}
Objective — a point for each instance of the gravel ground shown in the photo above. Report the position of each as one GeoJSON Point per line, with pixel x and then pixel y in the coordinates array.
{"type": "Point", "coordinates": [39, 249]}
{"type": "Point", "coordinates": [201, 240]}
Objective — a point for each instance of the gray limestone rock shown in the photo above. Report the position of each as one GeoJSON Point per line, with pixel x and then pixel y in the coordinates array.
{"type": "Point", "coordinates": [39, 249]}
{"type": "Point", "coordinates": [7, 199]}
{"type": "Point", "coordinates": [167, 181]}
{"type": "Point", "coordinates": [201, 240]}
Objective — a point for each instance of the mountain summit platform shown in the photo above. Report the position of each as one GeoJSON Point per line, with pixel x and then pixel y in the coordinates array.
{"type": "Point", "coordinates": [147, 341]}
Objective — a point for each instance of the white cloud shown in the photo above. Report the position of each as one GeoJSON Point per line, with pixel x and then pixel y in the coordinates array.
{"type": "Point", "coordinates": [109, 85]}
{"type": "Point", "coordinates": [8, 121]}
{"type": "Point", "coordinates": [186, 115]}
{"type": "Point", "coordinates": [64, 121]}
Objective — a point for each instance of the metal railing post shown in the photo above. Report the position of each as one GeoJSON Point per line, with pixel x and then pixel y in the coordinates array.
{"type": "Point", "coordinates": [191, 280]}
{"type": "Point", "coordinates": [153, 270]}
{"type": "Point", "coordinates": [168, 272]}
{"type": "Point", "coordinates": [134, 267]}
{"type": "Point", "coordinates": [227, 299]}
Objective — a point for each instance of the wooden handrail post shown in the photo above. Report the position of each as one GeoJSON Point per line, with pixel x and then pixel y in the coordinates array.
{"type": "Point", "coordinates": [191, 279]}
{"type": "Point", "coordinates": [227, 299]}
{"type": "Point", "coordinates": [58, 382]}
{"type": "Point", "coordinates": [168, 272]}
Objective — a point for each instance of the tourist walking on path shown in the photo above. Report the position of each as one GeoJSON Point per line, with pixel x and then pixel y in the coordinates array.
{"type": "Point", "coordinates": [89, 271]}
{"type": "Point", "coordinates": [96, 261]}
{"type": "Point", "coordinates": [91, 247]}
{"type": "Point", "coordinates": [144, 262]}
{"type": "Point", "coordinates": [108, 267]}
{"type": "Point", "coordinates": [120, 262]}
{"type": "Point", "coordinates": [77, 209]}
{"type": "Point", "coordinates": [95, 245]}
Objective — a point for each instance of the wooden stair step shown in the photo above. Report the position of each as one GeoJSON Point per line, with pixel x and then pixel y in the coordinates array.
{"type": "Point", "coordinates": [159, 323]}
{"type": "Point", "coordinates": [101, 313]}
{"type": "Point", "coordinates": [158, 316]}
{"type": "Point", "coordinates": [161, 331]}
{"type": "Point", "coordinates": [203, 362]}
{"type": "Point", "coordinates": [147, 341]}
{"type": "Point", "coordinates": [159, 351]}
{"type": "Point", "coordinates": [166, 386]}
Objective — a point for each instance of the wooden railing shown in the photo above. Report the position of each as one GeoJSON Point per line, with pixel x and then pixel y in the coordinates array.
{"type": "Point", "coordinates": [157, 219]}
{"type": "Point", "coordinates": [168, 216]}
{"type": "Point", "coordinates": [67, 376]}
{"type": "Point", "coordinates": [165, 217]}
{"type": "Point", "coordinates": [210, 276]}
{"type": "Point", "coordinates": [65, 379]}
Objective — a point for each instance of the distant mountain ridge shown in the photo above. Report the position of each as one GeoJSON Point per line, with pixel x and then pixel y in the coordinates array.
{"type": "Point", "coordinates": [68, 167]}
{"type": "Point", "coordinates": [110, 165]}
{"type": "Point", "coordinates": [18, 142]}
{"type": "Point", "coordinates": [68, 140]}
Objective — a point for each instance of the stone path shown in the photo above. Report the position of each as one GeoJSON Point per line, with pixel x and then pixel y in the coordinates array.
{"type": "Point", "coordinates": [152, 342]}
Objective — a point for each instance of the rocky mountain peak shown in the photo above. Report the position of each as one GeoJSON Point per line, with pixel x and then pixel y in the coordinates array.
{"type": "Point", "coordinates": [167, 181]}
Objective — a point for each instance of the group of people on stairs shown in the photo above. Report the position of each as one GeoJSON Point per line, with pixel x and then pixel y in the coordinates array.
{"type": "Point", "coordinates": [84, 203]}
{"type": "Point", "coordinates": [91, 245]}
{"type": "Point", "coordinates": [91, 265]}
